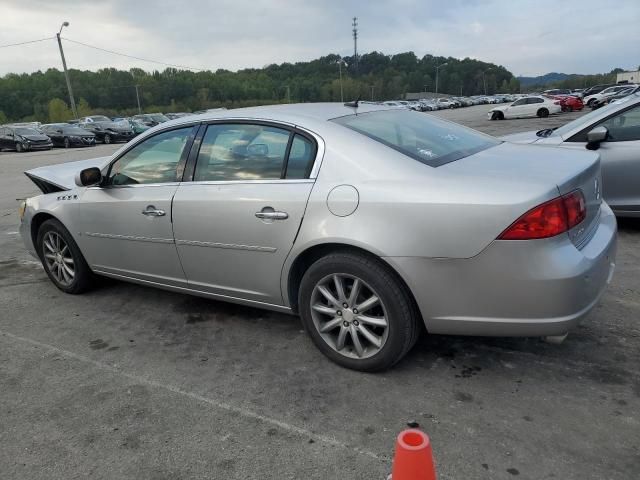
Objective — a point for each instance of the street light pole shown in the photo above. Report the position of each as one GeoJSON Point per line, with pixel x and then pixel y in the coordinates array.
{"type": "Point", "coordinates": [138, 99]}
{"type": "Point", "coordinates": [484, 80]}
{"type": "Point", "coordinates": [372, 87]}
{"type": "Point", "coordinates": [66, 73]}
{"type": "Point", "coordinates": [438, 67]}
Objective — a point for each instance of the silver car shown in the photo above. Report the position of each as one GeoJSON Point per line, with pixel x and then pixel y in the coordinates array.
{"type": "Point", "coordinates": [368, 222]}
{"type": "Point", "coordinates": [614, 131]}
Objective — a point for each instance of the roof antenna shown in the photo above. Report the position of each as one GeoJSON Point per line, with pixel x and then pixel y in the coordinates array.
{"type": "Point", "coordinates": [353, 104]}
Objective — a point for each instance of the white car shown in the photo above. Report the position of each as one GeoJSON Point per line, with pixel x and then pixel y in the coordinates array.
{"type": "Point", "coordinates": [607, 92]}
{"type": "Point", "coordinates": [535, 106]}
{"type": "Point", "coordinates": [445, 103]}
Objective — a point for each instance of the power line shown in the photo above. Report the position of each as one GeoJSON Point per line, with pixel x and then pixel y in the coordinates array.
{"type": "Point", "coordinates": [132, 56]}
{"type": "Point", "coordinates": [25, 43]}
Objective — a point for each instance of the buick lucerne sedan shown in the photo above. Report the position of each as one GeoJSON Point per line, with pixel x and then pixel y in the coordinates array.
{"type": "Point", "coordinates": [369, 222]}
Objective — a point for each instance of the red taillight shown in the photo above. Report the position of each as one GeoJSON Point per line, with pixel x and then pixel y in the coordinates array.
{"type": "Point", "coordinates": [549, 219]}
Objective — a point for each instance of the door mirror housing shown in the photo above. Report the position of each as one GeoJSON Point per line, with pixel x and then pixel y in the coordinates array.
{"type": "Point", "coordinates": [89, 177]}
{"type": "Point", "coordinates": [596, 136]}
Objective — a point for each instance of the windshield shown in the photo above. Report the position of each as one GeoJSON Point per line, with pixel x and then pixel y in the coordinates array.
{"type": "Point", "coordinates": [75, 131]}
{"type": "Point", "coordinates": [26, 131]}
{"type": "Point", "coordinates": [586, 119]}
{"type": "Point", "coordinates": [158, 117]}
{"type": "Point", "coordinates": [100, 118]}
{"type": "Point", "coordinates": [425, 138]}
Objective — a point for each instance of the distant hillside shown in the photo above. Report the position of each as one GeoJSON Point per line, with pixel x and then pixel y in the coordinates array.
{"type": "Point", "coordinates": [543, 79]}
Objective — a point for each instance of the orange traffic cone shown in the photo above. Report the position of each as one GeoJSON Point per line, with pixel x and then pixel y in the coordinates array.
{"type": "Point", "coordinates": [413, 459]}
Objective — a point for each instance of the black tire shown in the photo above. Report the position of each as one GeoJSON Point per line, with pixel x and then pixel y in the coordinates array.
{"type": "Point", "coordinates": [107, 139]}
{"type": "Point", "coordinates": [543, 113]}
{"type": "Point", "coordinates": [591, 102]}
{"type": "Point", "coordinates": [400, 312]}
{"type": "Point", "coordinates": [19, 147]}
{"type": "Point", "coordinates": [67, 143]}
{"type": "Point", "coordinates": [83, 277]}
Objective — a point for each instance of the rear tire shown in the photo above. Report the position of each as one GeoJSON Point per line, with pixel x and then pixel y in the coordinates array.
{"type": "Point", "coordinates": [67, 143]}
{"type": "Point", "coordinates": [61, 258]}
{"type": "Point", "coordinates": [386, 327]}
{"type": "Point", "coordinates": [543, 113]}
{"type": "Point", "coordinates": [19, 147]}
{"type": "Point", "coordinates": [107, 139]}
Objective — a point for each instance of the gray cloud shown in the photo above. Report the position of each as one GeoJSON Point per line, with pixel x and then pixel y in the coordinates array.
{"type": "Point", "coordinates": [527, 37]}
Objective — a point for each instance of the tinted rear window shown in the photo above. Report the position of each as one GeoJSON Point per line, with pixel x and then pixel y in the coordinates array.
{"type": "Point", "coordinates": [420, 136]}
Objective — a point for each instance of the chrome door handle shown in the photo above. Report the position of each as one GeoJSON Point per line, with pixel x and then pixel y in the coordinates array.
{"type": "Point", "coordinates": [152, 211]}
{"type": "Point", "coordinates": [272, 215]}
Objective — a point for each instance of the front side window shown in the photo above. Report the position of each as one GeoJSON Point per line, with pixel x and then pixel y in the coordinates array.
{"type": "Point", "coordinates": [517, 103]}
{"type": "Point", "coordinates": [241, 152]}
{"type": "Point", "coordinates": [425, 138]}
{"type": "Point", "coordinates": [624, 127]}
{"type": "Point", "coordinates": [155, 160]}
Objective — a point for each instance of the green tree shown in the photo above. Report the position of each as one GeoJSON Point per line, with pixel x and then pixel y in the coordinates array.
{"type": "Point", "coordinates": [58, 111]}
{"type": "Point", "coordinates": [83, 108]}
{"type": "Point", "coordinates": [3, 117]}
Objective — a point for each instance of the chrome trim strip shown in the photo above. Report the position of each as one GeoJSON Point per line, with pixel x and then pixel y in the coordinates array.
{"type": "Point", "coordinates": [232, 246]}
{"type": "Point", "coordinates": [129, 237]}
{"type": "Point", "coordinates": [248, 182]}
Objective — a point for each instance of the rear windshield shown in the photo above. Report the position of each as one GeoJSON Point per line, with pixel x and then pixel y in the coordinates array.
{"type": "Point", "coordinates": [420, 136]}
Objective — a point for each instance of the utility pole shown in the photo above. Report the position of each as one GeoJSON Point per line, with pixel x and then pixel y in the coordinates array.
{"type": "Point", "coordinates": [288, 93]}
{"type": "Point", "coordinates": [484, 80]}
{"type": "Point", "coordinates": [355, 42]}
{"type": "Point", "coordinates": [438, 67]}
{"type": "Point", "coordinates": [425, 90]}
{"type": "Point", "coordinates": [372, 87]}
{"type": "Point", "coordinates": [138, 99]}
{"type": "Point", "coordinates": [66, 73]}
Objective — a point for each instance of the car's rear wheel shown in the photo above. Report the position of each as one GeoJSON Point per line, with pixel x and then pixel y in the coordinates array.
{"type": "Point", "coordinates": [357, 312]}
{"type": "Point", "coordinates": [62, 259]}
{"type": "Point", "coordinates": [107, 138]}
{"type": "Point", "coordinates": [497, 116]}
{"type": "Point", "coordinates": [19, 147]}
{"type": "Point", "coordinates": [543, 113]}
{"type": "Point", "coordinates": [67, 143]}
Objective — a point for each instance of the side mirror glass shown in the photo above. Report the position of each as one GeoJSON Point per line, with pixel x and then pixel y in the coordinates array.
{"type": "Point", "coordinates": [258, 150]}
{"type": "Point", "coordinates": [596, 136]}
{"type": "Point", "coordinates": [88, 177]}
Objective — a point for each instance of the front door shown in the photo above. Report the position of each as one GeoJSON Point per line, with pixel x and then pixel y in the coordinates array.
{"type": "Point", "coordinates": [125, 224]}
{"type": "Point", "coordinates": [236, 222]}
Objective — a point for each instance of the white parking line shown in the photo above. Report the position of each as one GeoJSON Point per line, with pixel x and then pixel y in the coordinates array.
{"type": "Point", "coordinates": [194, 396]}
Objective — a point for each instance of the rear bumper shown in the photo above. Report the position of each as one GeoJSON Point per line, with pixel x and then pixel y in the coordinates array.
{"type": "Point", "coordinates": [514, 288]}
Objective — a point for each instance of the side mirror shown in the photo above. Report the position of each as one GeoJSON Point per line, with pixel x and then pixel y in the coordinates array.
{"type": "Point", "coordinates": [596, 136]}
{"type": "Point", "coordinates": [88, 177]}
{"type": "Point", "coordinates": [257, 150]}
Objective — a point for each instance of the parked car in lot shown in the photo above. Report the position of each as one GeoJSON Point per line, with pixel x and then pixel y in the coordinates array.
{"type": "Point", "coordinates": [22, 139]}
{"type": "Point", "coordinates": [445, 103]}
{"type": "Point", "coordinates": [621, 94]}
{"type": "Point", "coordinates": [105, 130]}
{"type": "Point", "coordinates": [557, 91]}
{"type": "Point", "coordinates": [589, 100]}
{"type": "Point", "coordinates": [173, 116]}
{"type": "Point", "coordinates": [614, 131]}
{"type": "Point", "coordinates": [365, 221]}
{"type": "Point", "coordinates": [67, 135]}
{"type": "Point", "coordinates": [595, 89]}
{"type": "Point", "coordinates": [151, 119]}
{"type": "Point", "coordinates": [537, 106]}
{"type": "Point", "coordinates": [137, 126]}
{"type": "Point", "coordinates": [569, 103]}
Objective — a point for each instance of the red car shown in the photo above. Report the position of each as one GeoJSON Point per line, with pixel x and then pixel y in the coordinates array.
{"type": "Point", "coordinates": [569, 103]}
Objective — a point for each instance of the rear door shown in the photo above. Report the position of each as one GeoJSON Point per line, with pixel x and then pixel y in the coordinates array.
{"type": "Point", "coordinates": [236, 222]}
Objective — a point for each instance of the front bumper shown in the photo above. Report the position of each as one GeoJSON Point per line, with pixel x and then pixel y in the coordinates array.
{"type": "Point", "coordinates": [38, 146]}
{"type": "Point", "coordinates": [514, 288]}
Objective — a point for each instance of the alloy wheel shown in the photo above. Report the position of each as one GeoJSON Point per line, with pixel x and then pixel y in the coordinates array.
{"type": "Point", "coordinates": [58, 258]}
{"type": "Point", "coordinates": [349, 316]}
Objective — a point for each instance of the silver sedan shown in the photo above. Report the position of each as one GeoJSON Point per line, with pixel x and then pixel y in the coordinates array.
{"type": "Point", "coordinates": [370, 223]}
{"type": "Point", "coordinates": [615, 132]}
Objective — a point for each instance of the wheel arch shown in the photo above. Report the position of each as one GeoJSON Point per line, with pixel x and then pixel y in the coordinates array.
{"type": "Point", "coordinates": [307, 257]}
{"type": "Point", "coordinates": [36, 222]}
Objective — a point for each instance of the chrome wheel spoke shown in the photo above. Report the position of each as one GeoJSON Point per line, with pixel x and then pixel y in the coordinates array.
{"type": "Point", "coordinates": [371, 337]}
{"type": "Point", "coordinates": [67, 260]}
{"type": "Point", "coordinates": [355, 338]}
{"type": "Point", "coordinates": [58, 259]}
{"type": "Point", "coordinates": [373, 321]}
{"type": "Point", "coordinates": [341, 338]}
{"type": "Point", "coordinates": [355, 291]}
{"type": "Point", "coordinates": [324, 309]}
{"type": "Point", "coordinates": [330, 325]}
{"type": "Point", "coordinates": [48, 245]}
{"type": "Point", "coordinates": [337, 280]}
{"type": "Point", "coordinates": [50, 256]}
{"type": "Point", "coordinates": [372, 301]}
{"type": "Point", "coordinates": [329, 296]}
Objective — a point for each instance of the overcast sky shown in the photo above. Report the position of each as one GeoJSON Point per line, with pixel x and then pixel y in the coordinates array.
{"type": "Point", "coordinates": [527, 37]}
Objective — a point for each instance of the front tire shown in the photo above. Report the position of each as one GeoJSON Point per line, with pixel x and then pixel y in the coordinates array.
{"type": "Point", "coordinates": [107, 139]}
{"type": "Point", "coordinates": [67, 143]}
{"type": "Point", "coordinates": [357, 312]}
{"type": "Point", "coordinates": [19, 147]}
{"type": "Point", "coordinates": [61, 258]}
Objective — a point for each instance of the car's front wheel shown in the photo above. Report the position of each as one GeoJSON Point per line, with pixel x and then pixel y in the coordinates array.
{"type": "Point", "coordinates": [19, 147]}
{"type": "Point", "coordinates": [107, 138]}
{"type": "Point", "coordinates": [67, 143]}
{"type": "Point", "coordinates": [543, 113]}
{"type": "Point", "coordinates": [62, 259]}
{"type": "Point", "coordinates": [357, 312]}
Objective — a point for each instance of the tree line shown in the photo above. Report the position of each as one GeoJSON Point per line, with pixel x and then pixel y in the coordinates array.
{"type": "Point", "coordinates": [42, 96]}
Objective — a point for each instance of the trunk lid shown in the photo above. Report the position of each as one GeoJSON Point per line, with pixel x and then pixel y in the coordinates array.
{"type": "Point", "coordinates": [56, 178]}
{"type": "Point", "coordinates": [534, 170]}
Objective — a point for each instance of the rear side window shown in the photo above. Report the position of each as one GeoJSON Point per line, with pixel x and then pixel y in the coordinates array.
{"type": "Point", "coordinates": [301, 157]}
{"type": "Point", "coordinates": [422, 137]}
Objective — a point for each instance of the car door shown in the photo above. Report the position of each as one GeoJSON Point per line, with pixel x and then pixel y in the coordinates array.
{"type": "Point", "coordinates": [516, 108]}
{"type": "Point", "coordinates": [4, 138]}
{"type": "Point", "coordinates": [236, 222]}
{"type": "Point", "coordinates": [531, 107]}
{"type": "Point", "coordinates": [125, 223]}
